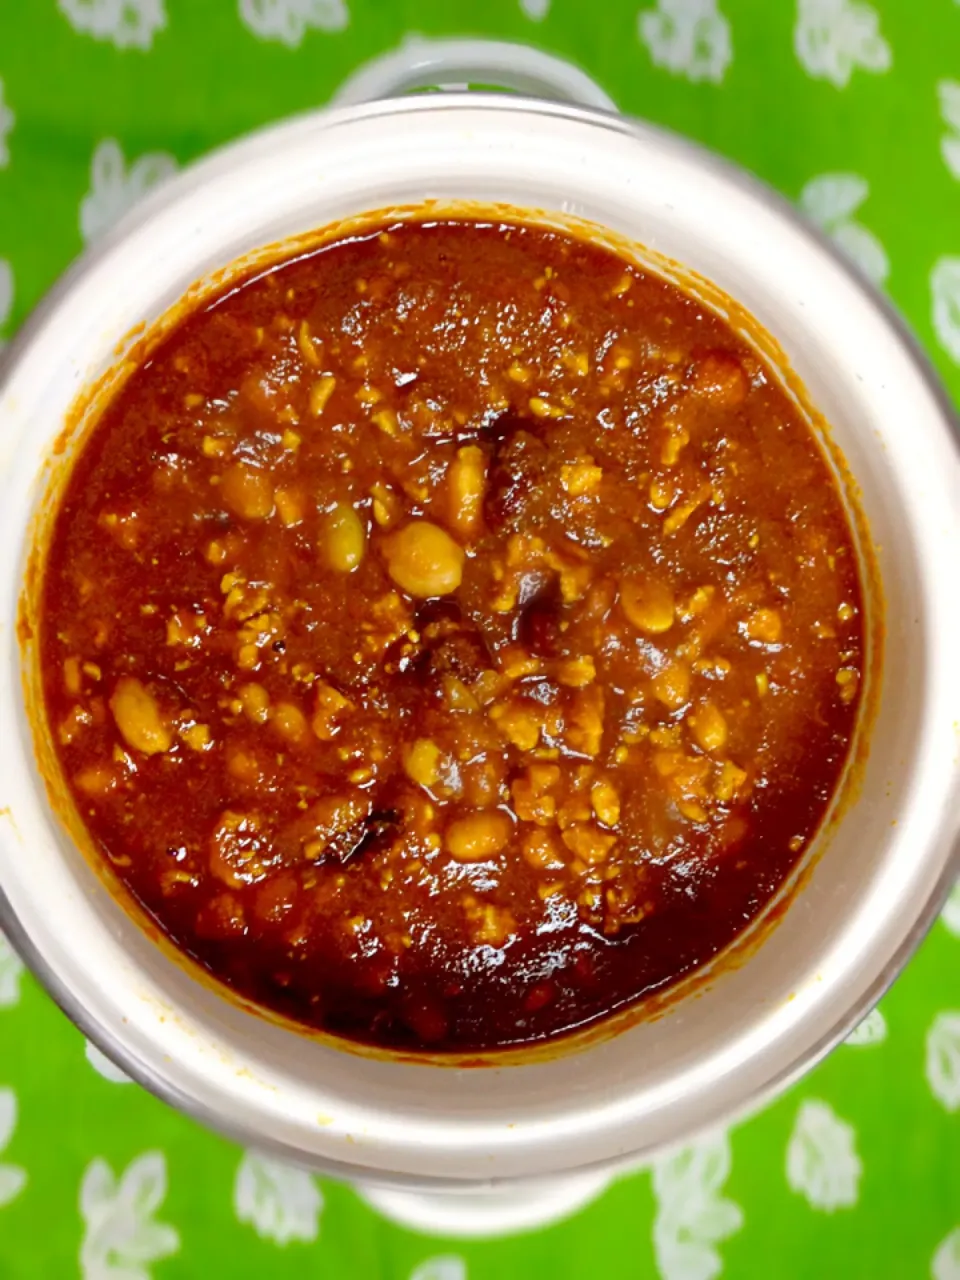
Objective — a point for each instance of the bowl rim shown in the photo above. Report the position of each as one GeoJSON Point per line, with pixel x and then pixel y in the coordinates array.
{"type": "Point", "coordinates": [205, 170]}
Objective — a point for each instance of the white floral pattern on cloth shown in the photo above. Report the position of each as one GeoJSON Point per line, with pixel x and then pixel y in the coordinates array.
{"type": "Point", "coordinates": [822, 1161]}
{"type": "Point", "coordinates": [945, 295]}
{"type": "Point", "coordinates": [122, 1237]}
{"type": "Point", "coordinates": [445, 1267]}
{"type": "Point", "coordinates": [692, 1215]}
{"type": "Point", "coordinates": [11, 966]}
{"type": "Point", "coordinates": [687, 37]}
{"type": "Point", "coordinates": [943, 1059]}
{"type": "Point", "coordinates": [129, 24]}
{"type": "Point", "coordinates": [834, 37]}
{"type": "Point", "coordinates": [289, 20]}
{"type": "Point", "coordinates": [951, 911]}
{"type": "Point", "coordinates": [535, 10]}
{"type": "Point", "coordinates": [115, 187]}
{"type": "Point", "coordinates": [830, 200]}
{"type": "Point", "coordinates": [7, 121]}
{"type": "Point", "coordinates": [12, 1178]}
{"type": "Point", "coordinates": [948, 92]}
{"type": "Point", "coordinates": [104, 1066]}
{"type": "Point", "coordinates": [945, 1264]}
{"type": "Point", "coordinates": [872, 1030]}
{"type": "Point", "coordinates": [280, 1201]}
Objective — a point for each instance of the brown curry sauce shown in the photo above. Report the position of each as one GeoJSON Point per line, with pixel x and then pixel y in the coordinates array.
{"type": "Point", "coordinates": [452, 635]}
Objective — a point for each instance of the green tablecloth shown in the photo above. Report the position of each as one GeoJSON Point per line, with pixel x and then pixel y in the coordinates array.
{"type": "Point", "coordinates": [852, 109]}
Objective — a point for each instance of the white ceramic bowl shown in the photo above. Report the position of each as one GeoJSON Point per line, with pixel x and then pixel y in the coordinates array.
{"type": "Point", "coordinates": [882, 876]}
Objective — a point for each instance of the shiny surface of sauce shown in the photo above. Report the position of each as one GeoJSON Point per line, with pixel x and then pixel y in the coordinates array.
{"type": "Point", "coordinates": [452, 635]}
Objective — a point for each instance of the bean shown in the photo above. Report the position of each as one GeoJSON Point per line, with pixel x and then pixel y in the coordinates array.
{"type": "Point", "coordinates": [764, 627]}
{"type": "Point", "coordinates": [331, 707]}
{"type": "Point", "coordinates": [96, 780]}
{"type": "Point", "coordinates": [577, 672]}
{"type": "Point", "coordinates": [275, 898]}
{"type": "Point", "coordinates": [138, 717]}
{"type": "Point", "coordinates": [344, 539]}
{"type": "Point", "coordinates": [671, 686]}
{"type": "Point", "coordinates": [421, 762]}
{"type": "Point", "coordinates": [247, 492]}
{"type": "Point", "coordinates": [246, 768]}
{"type": "Point", "coordinates": [197, 736]}
{"type": "Point", "coordinates": [290, 722]}
{"type": "Point", "coordinates": [424, 560]}
{"type": "Point", "coordinates": [648, 604]}
{"type": "Point", "coordinates": [541, 408]}
{"type": "Point", "coordinates": [709, 727]}
{"type": "Point", "coordinates": [719, 376]}
{"type": "Point", "coordinates": [478, 835]}
{"type": "Point", "coordinates": [255, 702]}
{"type": "Point", "coordinates": [290, 506]}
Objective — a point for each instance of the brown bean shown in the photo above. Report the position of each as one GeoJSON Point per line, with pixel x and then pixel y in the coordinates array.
{"type": "Point", "coordinates": [519, 460]}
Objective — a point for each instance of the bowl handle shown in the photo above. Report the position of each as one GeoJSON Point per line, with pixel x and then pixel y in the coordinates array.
{"type": "Point", "coordinates": [456, 64]}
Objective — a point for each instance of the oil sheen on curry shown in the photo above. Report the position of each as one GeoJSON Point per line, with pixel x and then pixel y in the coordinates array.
{"type": "Point", "coordinates": [452, 635]}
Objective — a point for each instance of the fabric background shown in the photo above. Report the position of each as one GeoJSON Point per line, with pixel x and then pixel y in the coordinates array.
{"type": "Point", "coordinates": [850, 109]}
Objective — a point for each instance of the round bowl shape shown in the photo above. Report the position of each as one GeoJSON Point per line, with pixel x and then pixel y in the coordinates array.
{"type": "Point", "coordinates": [882, 875]}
